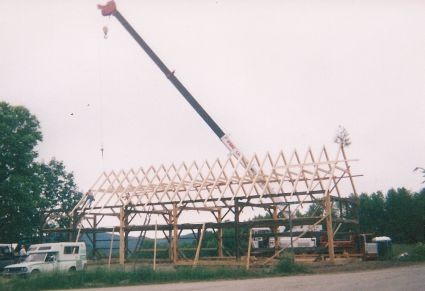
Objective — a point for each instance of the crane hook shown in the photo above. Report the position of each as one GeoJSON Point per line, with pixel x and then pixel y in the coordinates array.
{"type": "Point", "coordinates": [105, 32]}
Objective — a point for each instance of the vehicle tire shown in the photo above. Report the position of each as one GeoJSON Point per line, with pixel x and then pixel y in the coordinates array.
{"type": "Point", "coordinates": [72, 269]}
{"type": "Point", "coordinates": [35, 272]}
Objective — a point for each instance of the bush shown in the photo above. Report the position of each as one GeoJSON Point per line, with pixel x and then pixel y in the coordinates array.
{"type": "Point", "coordinates": [287, 265]}
{"type": "Point", "coordinates": [412, 253]}
{"type": "Point", "coordinates": [418, 252]}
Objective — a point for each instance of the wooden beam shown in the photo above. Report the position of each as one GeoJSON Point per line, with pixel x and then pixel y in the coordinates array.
{"type": "Point", "coordinates": [122, 237]}
{"type": "Point", "coordinates": [248, 254]}
{"type": "Point", "coordinates": [110, 248]}
{"type": "Point", "coordinates": [220, 235]}
{"type": "Point", "coordinates": [154, 247]}
{"type": "Point", "coordinates": [175, 233]}
{"type": "Point", "coordinates": [198, 249]}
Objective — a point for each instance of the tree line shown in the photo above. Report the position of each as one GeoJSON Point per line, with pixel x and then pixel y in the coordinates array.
{"type": "Point", "coordinates": [400, 214]}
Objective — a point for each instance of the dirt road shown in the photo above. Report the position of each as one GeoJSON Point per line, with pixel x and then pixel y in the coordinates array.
{"type": "Point", "coordinates": [403, 278]}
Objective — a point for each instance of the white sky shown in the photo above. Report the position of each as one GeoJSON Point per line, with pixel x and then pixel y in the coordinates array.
{"type": "Point", "coordinates": [275, 74]}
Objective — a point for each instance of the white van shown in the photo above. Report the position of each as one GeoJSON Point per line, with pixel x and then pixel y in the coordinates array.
{"type": "Point", "coordinates": [64, 256]}
{"type": "Point", "coordinates": [263, 239]}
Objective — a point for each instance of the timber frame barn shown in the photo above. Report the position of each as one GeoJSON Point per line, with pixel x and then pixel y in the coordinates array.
{"type": "Point", "coordinates": [217, 194]}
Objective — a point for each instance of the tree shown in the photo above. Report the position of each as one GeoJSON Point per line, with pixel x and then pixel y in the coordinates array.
{"type": "Point", "coordinates": [58, 193]}
{"type": "Point", "coordinates": [422, 170]}
{"type": "Point", "coordinates": [29, 189]}
{"type": "Point", "coordinates": [342, 137]}
{"type": "Point", "coordinates": [400, 215]}
{"type": "Point", "coordinates": [20, 133]}
{"type": "Point", "coordinates": [372, 213]}
{"type": "Point", "coordinates": [419, 215]}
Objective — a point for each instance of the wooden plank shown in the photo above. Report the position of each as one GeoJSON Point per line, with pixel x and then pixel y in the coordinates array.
{"type": "Point", "coordinates": [110, 247]}
{"type": "Point", "coordinates": [154, 246]}
{"type": "Point", "coordinates": [122, 237]}
{"type": "Point", "coordinates": [248, 255]}
{"type": "Point", "coordinates": [198, 249]}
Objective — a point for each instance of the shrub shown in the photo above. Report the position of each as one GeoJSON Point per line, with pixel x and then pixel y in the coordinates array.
{"type": "Point", "coordinates": [287, 265]}
{"type": "Point", "coordinates": [418, 252]}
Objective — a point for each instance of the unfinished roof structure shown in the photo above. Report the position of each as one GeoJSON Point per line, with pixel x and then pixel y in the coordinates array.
{"type": "Point", "coordinates": [278, 179]}
{"type": "Point", "coordinates": [280, 184]}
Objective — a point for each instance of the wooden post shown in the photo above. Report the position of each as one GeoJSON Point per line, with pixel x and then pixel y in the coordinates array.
{"type": "Point", "coordinates": [329, 228]}
{"type": "Point", "coordinates": [78, 234]}
{"type": "Point", "coordinates": [126, 232]}
{"type": "Point", "coordinates": [170, 235]}
{"type": "Point", "coordinates": [110, 247]}
{"type": "Point", "coordinates": [175, 233]}
{"type": "Point", "coordinates": [122, 237]}
{"type": "Point", "coordinates": [248, 255]}
{"type": "Point", "coordinates": [154, 247]}
{"type": "Point", "coordinates": [94, 236]}
{"type": "Point", "coordinates": [237, 236]}
{"type": "Point", "coordinates": [220, 235]}
{"type": "Point", "coordinates": [198, 249]}
{"type": "Point", "coordinates": [275, 230]}
{"type": "Point", "coordinates": [73, 226]}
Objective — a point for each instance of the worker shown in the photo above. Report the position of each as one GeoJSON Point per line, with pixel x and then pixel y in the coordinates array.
{"type": "Point", "coordinates": [22, 251]}
{"type": "Point", "coordinates": [90, 198]}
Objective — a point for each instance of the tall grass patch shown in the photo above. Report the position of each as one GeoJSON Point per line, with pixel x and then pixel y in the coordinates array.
{"type": "Point", "coordinates": [287, 265]}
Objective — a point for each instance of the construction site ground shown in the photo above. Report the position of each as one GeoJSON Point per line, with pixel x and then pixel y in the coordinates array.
{"type": "Point", "coordinates": [316, 267]}
{"type": "Point", "coordinates": [407, 277]}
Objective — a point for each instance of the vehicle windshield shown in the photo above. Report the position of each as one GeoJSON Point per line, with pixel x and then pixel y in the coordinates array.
{"type": "Point", "coordinates": [36, 257]}
{"type": "Point", "coordinates": [261, 231]}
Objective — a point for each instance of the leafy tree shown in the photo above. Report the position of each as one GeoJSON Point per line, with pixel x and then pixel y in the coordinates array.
{"type": "Point", "coordinates": [400, 218]}
{"type": "Point", "coordinates": [58, 193]}
{"type": "Point", "coordinates": [29, 189]}
{"type": "Point", "coordinates": [20, 133]}
{"type": "Point", "coordinates": [422, 170]}
{"type": "Point", "coordinates": [419, 215]}
{"type": "Point", "coordinates": [372, 213]}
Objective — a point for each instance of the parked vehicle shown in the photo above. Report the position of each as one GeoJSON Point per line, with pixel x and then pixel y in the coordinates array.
{"type": "Point", "coordinates": [7, 255]}
{"type": "Point", "coordinates": [64, 256]}
{"type": "Point", "coordinates": [263, 238]}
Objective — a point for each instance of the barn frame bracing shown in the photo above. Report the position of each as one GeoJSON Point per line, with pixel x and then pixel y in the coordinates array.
{"type": "Point", "coordinates": [280, 184]}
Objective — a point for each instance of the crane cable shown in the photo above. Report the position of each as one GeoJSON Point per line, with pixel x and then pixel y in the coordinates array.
{"type": "Point", "coordinates": [100, 93]}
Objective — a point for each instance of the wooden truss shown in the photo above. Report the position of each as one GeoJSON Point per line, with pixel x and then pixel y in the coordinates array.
{"type": "Point", "coordinates": [277, 179]}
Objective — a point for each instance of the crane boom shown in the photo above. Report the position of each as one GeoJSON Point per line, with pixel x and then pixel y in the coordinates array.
{"type": "Point", "coordinates": [110, 9]}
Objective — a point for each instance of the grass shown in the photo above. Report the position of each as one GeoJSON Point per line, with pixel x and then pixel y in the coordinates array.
{"type": "Point", "coordinates": [102, 277]}
{"type": "Point", "coordinates": [287, 265]}
{"type": "Point", "coordinates": [415, 252]}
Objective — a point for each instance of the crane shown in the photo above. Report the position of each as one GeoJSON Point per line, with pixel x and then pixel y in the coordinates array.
{"type": "Point", "coordinates": [111, 9]}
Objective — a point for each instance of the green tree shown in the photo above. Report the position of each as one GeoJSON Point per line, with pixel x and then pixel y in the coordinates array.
{"type": "Point", "coordinates": [58, 193]}
{"type": "Point", "coordinates": [400, 215]}
{"type": "Point", "coordinates": [419, 215]}
{"type": "Point", "coordinates": [372, 214]}
{"type": "Point", "coordinates": [20, 133]}
{"type": "Point", "coordinates": [28, 189]}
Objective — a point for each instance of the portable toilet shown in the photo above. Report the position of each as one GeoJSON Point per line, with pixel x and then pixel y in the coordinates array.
{"type": "Point", "coordinates": [384, 246]}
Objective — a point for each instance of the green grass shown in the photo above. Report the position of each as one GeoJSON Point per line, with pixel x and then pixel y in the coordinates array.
{"type": "Point", "coordinates": [416, 252]}
{"type": "Point", "coordinates": [102, 277]}
{"type": "Point", "coordinates": [287, 265]}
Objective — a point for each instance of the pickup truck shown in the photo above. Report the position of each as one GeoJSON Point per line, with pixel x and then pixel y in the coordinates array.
{"type": "Point", "coordinates": [7, 256]}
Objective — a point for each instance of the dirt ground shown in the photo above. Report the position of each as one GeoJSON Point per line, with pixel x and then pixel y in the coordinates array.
{"type": "Point", "coordinates": [396, 278]}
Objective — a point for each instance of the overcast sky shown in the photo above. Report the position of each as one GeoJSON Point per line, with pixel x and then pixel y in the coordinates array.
{"type": "Point", "coordinates": [274, 74]}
